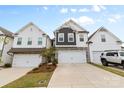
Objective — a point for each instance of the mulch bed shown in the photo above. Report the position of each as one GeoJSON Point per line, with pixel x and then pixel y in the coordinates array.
{"type": "Point", "coordinates": [43, 68]}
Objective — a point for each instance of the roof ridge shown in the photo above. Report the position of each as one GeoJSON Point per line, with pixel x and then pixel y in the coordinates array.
{"type": "Point", "coordinates": [6, 32]}
{"type": "Point", "coordinates": [105, 29]}
{"type": "Point", "coordinates": [29, 23]}
{"type": "Point", "coordinates": [71, 21]}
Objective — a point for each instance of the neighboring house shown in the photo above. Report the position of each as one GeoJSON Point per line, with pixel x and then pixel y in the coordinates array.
{"type": "Point", "coordinates": [70, 43]}
{"type": "Point", "coordinates": [102, 40]}
{"type": "Point", "coordinates": [6, 40]}
{"type": "Point", "coordinates": [27, 46]}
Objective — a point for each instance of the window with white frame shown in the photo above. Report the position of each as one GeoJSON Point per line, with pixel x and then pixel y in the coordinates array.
{"type": "Point", "coordinates": [103, 39]}
{"type": "Point", "coordinates": [60, 37]}
{"type": "Point", "coordinates": [29, 41]}
{"type": "Point", "coordinates": [19, 41]}
{"type": "Point", "coordinates": [81, 38]}
{"type": "Point", "coordinates": [70, 37]}
{"type": "Point", "coordinates": [40, 41]}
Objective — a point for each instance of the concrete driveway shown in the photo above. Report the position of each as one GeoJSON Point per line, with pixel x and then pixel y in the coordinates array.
{"type": "Point", "coordinates": [8, 75]}
{"type": "Point", "coordinates": [84, 75]}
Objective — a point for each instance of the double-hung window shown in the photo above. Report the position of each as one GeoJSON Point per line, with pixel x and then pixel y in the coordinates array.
{"type": "Point", "coordinates": [70, 37]}
{"type": "Point", "coordinates": [40, 41]}
{"type": "Point", "coordinates": [81, 38]}
{"type": "Point", "coordinates": [60, 37]}
{"type": "Point", "coordinates": [19, 41]}
{"type": "Point", "coordinates": [103, 39]}
{"type": "Point", "coordinates": [29, 41]}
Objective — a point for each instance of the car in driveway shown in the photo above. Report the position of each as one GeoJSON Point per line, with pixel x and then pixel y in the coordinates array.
{"type": "Point", "coordinates": [112, 57]}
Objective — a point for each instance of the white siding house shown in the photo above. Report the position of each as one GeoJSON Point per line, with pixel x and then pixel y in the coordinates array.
{"type": "Point", "coordinates": [70, 43]}
{"type": "Point", "coordinates": [100, 41]}
{"type": "Point", "coordinates": [27, 46]}
{"type": "Point", "coordinates": [6, 41]}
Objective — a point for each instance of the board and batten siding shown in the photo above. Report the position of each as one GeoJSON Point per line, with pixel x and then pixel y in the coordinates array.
{"type": "Point", "coordinates": [79, 43]}
{"type": "Point", "coordinates": [65, 31]}
{"type": "Point", "coordinates": [110, 44]}
{"type": "Point", "coordinates": [96, 47]}
{"type": "Point", "coordinates": [34, 34]}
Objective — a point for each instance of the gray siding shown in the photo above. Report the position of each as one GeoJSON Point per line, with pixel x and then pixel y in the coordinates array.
{"type": "Point", "coordinates": [65, 31]}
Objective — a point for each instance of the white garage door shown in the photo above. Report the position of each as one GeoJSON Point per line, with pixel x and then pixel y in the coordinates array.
{"type": "Point", "coordinates": [26, 60]}
{"type": "Point", "coordinates": [71, 56]}
{"type": "Point", "coordinates": [96, 57]}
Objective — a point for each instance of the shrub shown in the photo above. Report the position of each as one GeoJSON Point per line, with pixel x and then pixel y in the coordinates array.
{"type": "Point", "coordinates": [54, 61]}
{"type": "Point", "coordinates": [7, 65]}
{"type": "Point", "coordinates": [48, 54]}
{"type": "Point", "coordinates": [35, 69]}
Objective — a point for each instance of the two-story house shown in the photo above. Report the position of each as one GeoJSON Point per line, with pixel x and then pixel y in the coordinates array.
{"type": "Point", "coordinates": [27, 46]}
{"type": "Point", "coordinates": [101, 40]}
{"type": "Point", "coordinates": [70, 43]}
{"type": "Point", "coordinates": [6, 40]}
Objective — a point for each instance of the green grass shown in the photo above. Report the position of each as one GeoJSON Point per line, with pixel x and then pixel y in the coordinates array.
{"type": "Point", "coordinates": [110, 69]}
{"type": "Point", "coordinates": [31, 80]}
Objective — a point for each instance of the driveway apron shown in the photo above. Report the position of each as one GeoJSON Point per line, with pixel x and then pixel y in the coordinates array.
{"type": "Point", "coordinates": [8, 75]}
{"type": "Point", "coordinates": [84, 76]}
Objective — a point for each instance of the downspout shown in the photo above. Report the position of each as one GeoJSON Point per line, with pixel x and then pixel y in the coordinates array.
{"type": "Point", "coordinates": [46, 41]}
{"type": "Point", "coordinates": [44, 35]}
{"type": "Point", "coordinates": [89, 57]}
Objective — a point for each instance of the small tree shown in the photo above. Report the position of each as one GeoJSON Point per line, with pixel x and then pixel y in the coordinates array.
{"type": "Point", "coordinates": [48, 54]}
{"type": "Point", "coordinates": [3, 40]}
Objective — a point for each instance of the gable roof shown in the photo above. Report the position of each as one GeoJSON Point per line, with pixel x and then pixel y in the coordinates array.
{"type": "Point", "coordinates": [73, 25]}
{"type": "Point", "coordinates": [104, 29]}
{"type": "Point", "coordinates": [29, 24]}
{"type": "Point", "coordinates": [6, 32]}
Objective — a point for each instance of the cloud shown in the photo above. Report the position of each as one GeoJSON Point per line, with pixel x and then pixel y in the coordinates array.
{"type": "Point", "coordinates": [84, 10]}
{"type": "Point", "coordinates": [73, 10]}
{"type": "Point", "coordinates": [98, 8]}
{"type": "Point", "coordinates": [64, 10]}
{"type": "Point", "coordinates": [45, 8]}
{"type": "Point", "coordinates": [114, 18]}
{"type": "Point", "coordinates": [95, 8]}
{"type": "Point", "coordinates": [111, 20]}
{"type": "Point", "coordinates": [83, 20]}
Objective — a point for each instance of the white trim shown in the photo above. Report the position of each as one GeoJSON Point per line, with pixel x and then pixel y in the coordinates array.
{"type": "Point", "coordinates": [109, 32]}
{"type": "Point", "coordinates": [69, 37]}
{"type": "Point", "coordinates": [81, 36]}
{"type": "Point", "coordinates": [19, 41]}
{"type": "Point", "coordinates": [71, 24]}
{"type": "Point", "coordinates": [29, 40]}
{"type": "Point", "coordinates": [59, 35]}
{"type": "Point", "coordinates": [103, 38]}
{"type": "Point", "coordinates": [40, 39]}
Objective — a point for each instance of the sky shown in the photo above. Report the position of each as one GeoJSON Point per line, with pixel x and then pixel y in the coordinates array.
{"type": "Point", "coordinates": [50, 17]}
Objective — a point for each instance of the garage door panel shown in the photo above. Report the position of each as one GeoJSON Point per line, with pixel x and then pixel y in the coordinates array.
{"type": "Point", "coordinates": [72, 56]}
{"type": "Point", "coordinates": [26, 60]}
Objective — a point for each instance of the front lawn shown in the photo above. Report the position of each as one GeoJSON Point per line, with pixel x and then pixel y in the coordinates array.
{"type": "Point", "coordinates": [38, 77]}
{"type": "Point", "coordinates": [110, 69]}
